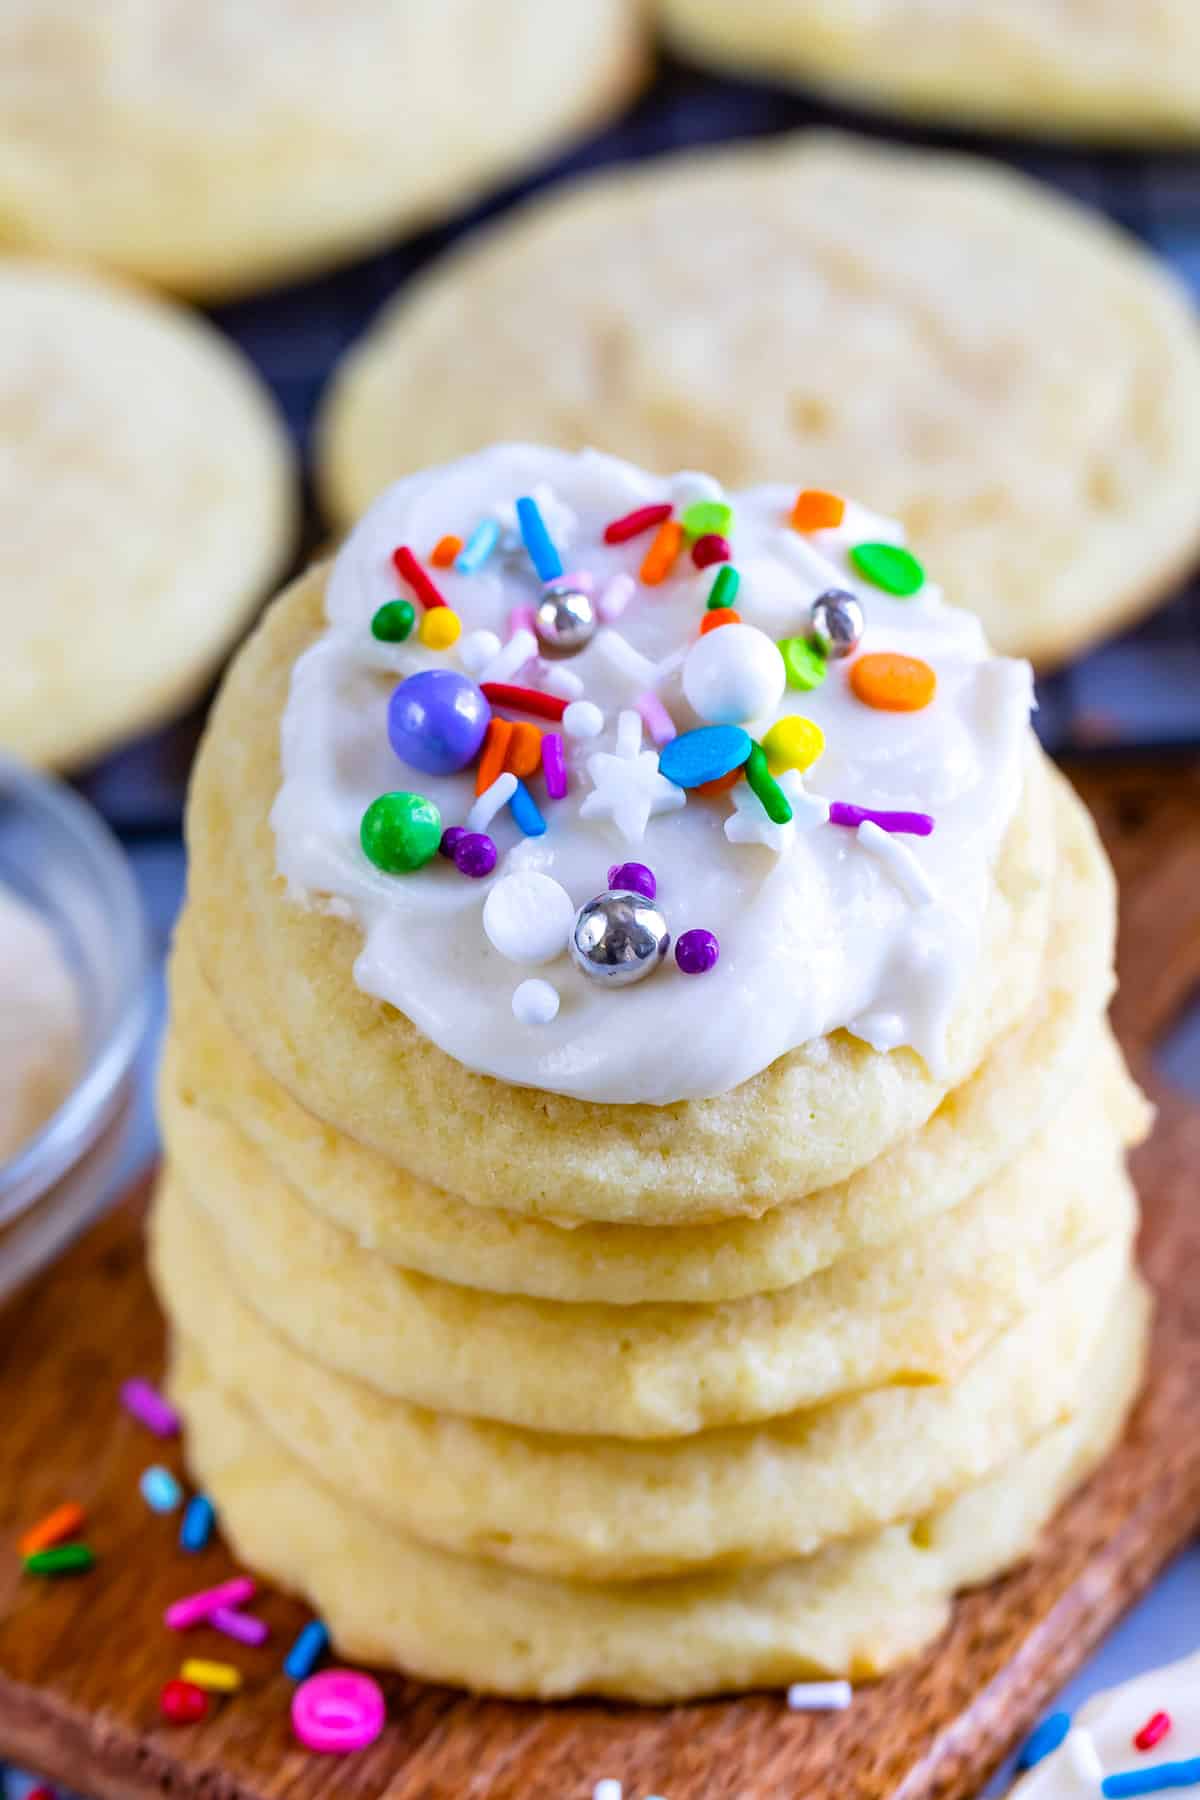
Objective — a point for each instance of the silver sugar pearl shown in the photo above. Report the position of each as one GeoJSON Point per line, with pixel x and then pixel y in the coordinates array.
{"type": "Point", "coordinates": [837, 623]}
{"type": "Point", "coordinates": [619, 938]}
{"type": "Point", "coordinates": [564, 620]}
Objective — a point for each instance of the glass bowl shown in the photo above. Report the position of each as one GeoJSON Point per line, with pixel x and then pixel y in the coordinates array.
{"type": "Point", "coordinates": [58, 856]}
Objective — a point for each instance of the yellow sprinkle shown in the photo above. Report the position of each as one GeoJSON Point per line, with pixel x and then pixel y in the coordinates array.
{"type": "Point", "coordinates": [440, 627]}
{"type": "Point", "coordinates": [793, 743]}
{"type": "Point", "coordinates": [214, 1677]}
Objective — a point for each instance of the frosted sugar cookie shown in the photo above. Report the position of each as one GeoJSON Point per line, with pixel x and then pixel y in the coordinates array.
{"type": "Point", "coordinates": [857, 1609]}
{"type": "Point", "coordinates": [1094, 69]}
{"type": "Point", "coordinates": [146, 503]}
{"type": "Point", "coordinates": [952, 343]}
{"type": "Point", "coordinates": [214, 148]}
{"type": "Point", "coordinates": [864, 970]}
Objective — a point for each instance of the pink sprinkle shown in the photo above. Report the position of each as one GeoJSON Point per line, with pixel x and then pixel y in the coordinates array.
{"type": "Point", "coordinates": [1153, 1731]}
{"type": "Point", "coordinates": [193, 1609]}
{"type": "Point", "coordinates": [915, 824]}
{"type": "Point", "coordinates": [582, 580]}
{"type": "Point", "coordinates": [242, 1626]}
{"type": "Point", "coordinates": [554, 762]}
{"type": "Point", "coordinates": [616, 597]}
{"type": "Point", "coordinates": [711, 548]}
{"type": "Point", "coordinates": [149, 1408]}
{"type": "Point", "coordinates": [656, 718]}
{"type": "Point", "coordinates": [521, 618]}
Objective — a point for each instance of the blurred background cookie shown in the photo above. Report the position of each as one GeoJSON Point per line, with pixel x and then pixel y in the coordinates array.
{"type": "Point", "coordinates": [1008, 373]}
{"type": "Point", "coordinates": [146, 503]}
{"type": "Point", "coordinates": [215, 148]}
{"type": "Point", "coordinates": [1099, 69]}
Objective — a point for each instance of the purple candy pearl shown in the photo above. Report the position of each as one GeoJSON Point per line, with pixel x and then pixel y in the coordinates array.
{"type": "Point", "coordinates": [697, 951]}
{"type": "Point", "coordinates": [475, 855]}
{"type": "Point", "coordinates": [452, 837]}
{"type": "Point", "coordinates": [635, 878]}
{"type": "Point", "coordinates": [437, 720]}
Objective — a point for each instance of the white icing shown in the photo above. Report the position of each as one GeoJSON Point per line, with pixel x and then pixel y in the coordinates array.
{"type": "Point", "coordinates": [816, 932]}
{"type": "Point", "coordinates": [1100, 1742]}
{"type": "Point", "coordinates": [41, 1027]}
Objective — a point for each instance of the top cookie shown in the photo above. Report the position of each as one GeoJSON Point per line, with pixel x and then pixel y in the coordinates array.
{"type": "Point", "coordinates": [214, 148]}
{"type": "Point", "coordinates": [1099, 69]}
{"type": "Point", "coordinates": [949, 342]}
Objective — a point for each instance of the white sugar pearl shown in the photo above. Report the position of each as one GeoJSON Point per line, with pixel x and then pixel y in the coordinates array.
{"type": "Point", "coordinates": [528, 917]}
{"type": "Point", "coordinates": [733, 674]}
{"type": "Point", "coordinates": [583, 719]}
{"type": "Point", "coordinates": [535, 1002]}
{"type": "Point", "coordinates": [477, 649]}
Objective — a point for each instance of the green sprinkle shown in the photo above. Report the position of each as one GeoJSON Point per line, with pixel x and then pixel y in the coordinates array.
{"type": "Point", "coordinates": [707, 517]}
{"type": "Point", "coordinates": [63, 1559]}
{"type": "Point", "coordinates": [804, 663]}
{"type": "Point", "coordinates": [393, 622]}
{"type": "Point", "coordinates": [723, 591]}
{"type": "Point", "coordinates": [775, 802]}
{"type": "Point", "coordinates": [401, 832]}
{"type": "Point", "coordinates": [890, 567]}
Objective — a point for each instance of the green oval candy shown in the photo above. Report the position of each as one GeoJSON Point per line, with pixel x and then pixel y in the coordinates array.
{"type": "Point", "coordinates": [804, 663]}
{"type": "Point", "coordinates": [393, 621]}
{"type": "Point", "coordinates": [890, 567]}
{"type": "Point", "coordinates": [401, 832]}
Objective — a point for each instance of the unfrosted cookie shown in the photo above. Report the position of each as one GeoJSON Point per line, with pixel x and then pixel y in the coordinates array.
{"type": "Point", "coordinates": [212, 148]}
{"type": "Point", "coordinates": [146, 503]}
{"type": "Point", "coordinates": [1099, 69]}
{"type": "Point", "coordinates": [950, 342]}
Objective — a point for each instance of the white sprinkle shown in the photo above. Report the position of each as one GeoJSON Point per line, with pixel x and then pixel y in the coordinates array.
{"type": "Point", "coordinates": [583, 719]}
{"type": "Point", "coordinates": [629, 732]}
{"type": "Point", "coordinates": [615, 598]}
{"type": "Point", "coordinates": [819, 1696]}
{"type": "Point", "coordinates": [511, 658]}
{"type": "Point", "coordinates": [899, 861]}
{"type": "Point", "coordinates": [528, 917]}
{"type": "Point", "coordinates": [556, 678]}
{"type": "Point", "coordinates": [623, 659]}
{"type": "Point", "coordinates": [691, 485]}
{"type": "Point", "coordinates": [490, 802]}
{"type": "Point", "coordinates": [1080, 1751]}
{"type": "Point", "coordinates": [608, 1789]}
{"type": "Point", "coordinates": [535, 1002]}
{"type": "Point", "coordinates": [477, 649]}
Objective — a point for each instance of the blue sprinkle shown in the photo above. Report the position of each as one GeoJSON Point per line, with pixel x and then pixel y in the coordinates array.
{"type": "Point", "coordinates": [478, 547]}
{"type": "Point", "coordinates": [197, 1525]}
{"type": "Point", "coordinates": [160, 1490]}
{"type": "Point", "coordinates": [1151, 1781]}
{"type": "Point", "coordinates": [302, 1658]}
{"type": "Point", "coordinates": [705, 754]}
{"type": "Point", "coordinates": [538, 542]}
{"type": "Point", "coordinates": [1043, 1739]}
{"type": "Point", "coordinates": [523, 808]}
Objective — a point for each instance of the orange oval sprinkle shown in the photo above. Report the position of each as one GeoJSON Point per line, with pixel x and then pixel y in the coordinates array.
{"type": "Point", "coordinates": [720, 615]}
{"type": "Point", "coordinates": [495, 750]}
{"type": "Point", "coordinates": [524, 754]}
{"type": "Point", "coordinates": [445, 551]}
{"type": "Point", "coordinates": [65, 1521]}
{"type": "Point", "coordinates": [721, 785]}
{"type": "Point", "coordinates": [815, 510]}
{"type": "Point", "coordinates": [659, 559]}
{"type": "Point", "coordinates": [891, 682]}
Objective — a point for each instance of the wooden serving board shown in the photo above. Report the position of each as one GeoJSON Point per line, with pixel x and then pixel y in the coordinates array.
{"type": "Point", "coordinates": [82, 1661]}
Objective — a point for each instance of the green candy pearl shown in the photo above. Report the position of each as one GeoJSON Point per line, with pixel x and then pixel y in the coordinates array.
{"type": "Point", "coordinates": [394, 621]}
{"type": "Point", "coordinates": [890, 567]}
{"type": "Point", "coordinates": [401, 832]}
{"type": "Point", "coordinates": [804, 663]}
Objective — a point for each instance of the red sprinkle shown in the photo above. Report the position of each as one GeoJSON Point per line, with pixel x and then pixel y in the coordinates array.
{"type": "Point", "coordinates": [1153, 1731]}
{"type": "Point", "coordinates": [711, 548]}
{"type": "Point", "coordinates": [41, 1793]}
{"type": "Point", "coordinates": [183, 1703]}
{"type": "Point", "coordinates": [633, 524]}
{"type": "Point", "coordinates": [523, 699]}
{"type": "Point", "coordinates": [407, 566]}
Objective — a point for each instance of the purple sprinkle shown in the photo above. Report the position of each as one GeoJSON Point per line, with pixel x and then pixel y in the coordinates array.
{"type": "Point", "coordinates": [554, 762]}
{"type": "Point", "coordinates": [697, 951]}
{"type": "Point", "coordinates": [149, 1408]}
{"type": "Point", "coordinates": [451, 838]}
{"type": "Point", "coordinates": [636, 878]}
{"type": "Point", "coordinates": [475, 855]}
{"type": "Point", "coordinates": [915, 824]}
{"type": "Point", "coordinates": [242, 1626]}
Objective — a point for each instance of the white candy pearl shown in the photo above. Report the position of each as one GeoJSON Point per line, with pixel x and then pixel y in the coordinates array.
{"type": "Point", "coordinates": [535, 1002]}
{"type": "Point", "coordinates": [583, 719]}
{"type": "Point", "coordinates": [477, 649]}
{"type": "Point", "coordinates": [733, 674]}
{"type": "Point", "coordinates": [528, 917]}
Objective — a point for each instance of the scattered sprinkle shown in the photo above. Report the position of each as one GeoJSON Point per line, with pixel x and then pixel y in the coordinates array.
{"type": "Point", "coordinates": [243, 1627]}
{"type": "Point", "coordinates": [194, 1609]}
{"type": "Point", "coordinates": [558, 678]}
{"type": "Point", "coordinates": [524, 754]}
{"type": "Point", "coordinates": [495, 795]}
{"type": "Point", "coordinates": [711, 548]}
{"type": "Point", "coordinates": [1151, 1781]}
{"type": "Point", "coordinates": [775, 802]}
{"type": "Point", "coordinates": [659, 559]}
{"type": "Point", "coordinates": [623, 659]}
{"type": "Point", "coordinates": [524, 699]}
{"type": "Point", "coordinates": [160, 1490]}
{"type": "Point", "coordinates": [804, 663]}
{"type": "Point", "coordinates": [445, 551]}
{"type": "Point", "coordinates": [475, 854]}
{"type": "Point", "coordinates": [554, 764]}
{"type": "Point", "coordinates": [615, 598]}
{"type": "Point", "coordinates": [914, 824]}
{"type": "Point", "coordinates": [393, 621]}
{"type": "Point", "coordinates": [308, 1648]}
{"type": "Point", "coordinates": [535, 1002]}
{"type": "Point", "coordinates": [892, 683]}
{"type": "Point", "coordinates": [196, 1527]}
{"type": "Point", "coordinates": [524, 809]}
{"type": "Point", "coordinates": [607, 1789]}
{"type": "Point", "coordinates": [61, 1559]}
{"type": "Point", "coordinates": [440, 627]}
{"type": "Point", "coordinates": [478, 547]}
{"type": "Point", "coordinates": [707, 754]}
{"type": "Point", "coordinates": [537, 540]}
{"type": "Point", "coordinates": [213, 1677]}
{"type": "Point", "coordinates": [793, 743]}
{"type": "Point", "coordinates": [477, 649]}
{"type": "Point", "coordinates": [183, 1703]}
{"type": "Point", "coordinates": [492, 757]}
{"type": "Point", "coordinates": [633, 878]}
{"type": "Point", "coordinates": [819, 1696]}
{"type": "Point", "coordinates": [697, 951]}
{"type": "Point", "coordinates": [1081, 1753]}
{"type": "Point", "coordinates": [657, 719]}
{"type": "Point", "coordinates": [723, 591]}
{"type": "Point", "coordinates": [583, 719]}
{"type": "Point", "coordinates": [410, 570]}
{"type": "Point", "coordinates": [148, 1407]}
{"type": "Point", "coordinates": [716, 616]}
{"type": "Point", "coordinates": [65, 1521]}
{"type": "Point", "coordinates": [1153, 1731]}
{"type": "Point", "coordinates": [522, 618]}
{"type": "Point", "coordinates": [520, 649]}
{"type": "Point", "coordinates": [815, 510]}
{"type": "Point", "coordinates": [338, 1711]}
{"type": "Point", "coordinates": [528, 917]}
{"type": "Point", "coordinates": [707, 518]}
{"type": "Point", "coordinates": [899, 861]}
{"type": "Point", "coordinates": [400, 832]}
{"type": "Point", "coordinates": [891, 567]}
{"type": "Point", "coordinates": [632, 524]}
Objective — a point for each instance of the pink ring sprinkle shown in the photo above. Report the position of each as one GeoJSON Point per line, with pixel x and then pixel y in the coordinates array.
{"type": "Point", "coordinates": [914, 824]}
{"type": "Point", "coordinates": [338, 1711]}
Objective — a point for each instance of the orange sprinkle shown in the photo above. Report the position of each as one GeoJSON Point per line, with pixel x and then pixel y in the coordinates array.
{"type": "Point", "coordinates": [815, 510]}
{"type": "Point", "coordinates": [720, 615]}
{"type": "Point", "coordinates": [524, 754]}
{"type": "Point", "coordinates": [445, 551]}
{"type": "Point", "coordinates": [721, 785]}
{"type": "Point", "coordinates": [893, 683]}
{"type": "Point", "coordinates": [494, 753]}
{"type": "Point", "coordinates": [659, 559]}
{"type": "Point", "coordinates": [65, 1521]}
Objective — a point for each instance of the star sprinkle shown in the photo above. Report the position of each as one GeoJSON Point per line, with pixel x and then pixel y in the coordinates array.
{"type": "Point", "coordinates": [627, 786]}
{"type": "Point", "coordinates": [749, 824]}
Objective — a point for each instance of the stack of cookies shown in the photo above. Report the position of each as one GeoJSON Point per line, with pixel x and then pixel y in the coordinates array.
{"type": "Point", "coordinates": [645, 1210]}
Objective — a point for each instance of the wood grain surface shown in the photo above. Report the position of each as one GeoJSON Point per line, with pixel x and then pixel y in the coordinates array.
{"type": "Point", "coordinates": [82, 1661]}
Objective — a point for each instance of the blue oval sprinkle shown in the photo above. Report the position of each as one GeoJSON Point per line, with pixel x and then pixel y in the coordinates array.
{"type": "Point", "coordinates": [705, 754]}
{"type": "Point", "coordinates": [1043, 1739]}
